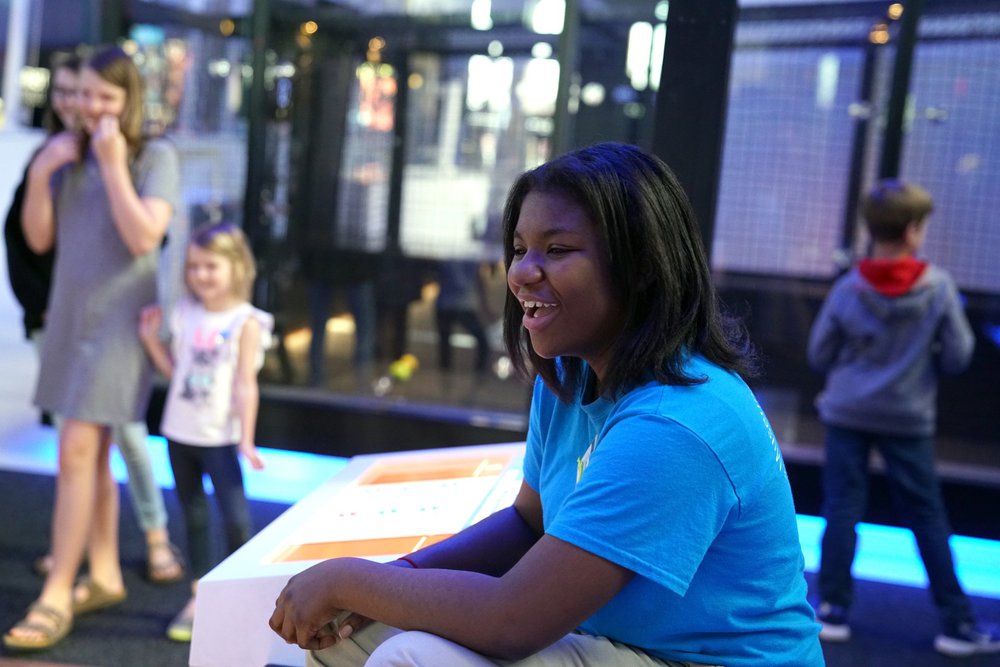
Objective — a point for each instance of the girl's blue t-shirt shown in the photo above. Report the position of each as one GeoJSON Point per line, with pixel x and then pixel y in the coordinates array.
{"type": "Point", "coordinates": [686, 487]}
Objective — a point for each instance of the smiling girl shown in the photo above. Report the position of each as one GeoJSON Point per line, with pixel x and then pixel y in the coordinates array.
{"type": "Point", "coordinates": [106, 196]}
{"type": "Point", "coordinates": [654, 524]}
{"type": "Point", "coordinates": [217, 346]}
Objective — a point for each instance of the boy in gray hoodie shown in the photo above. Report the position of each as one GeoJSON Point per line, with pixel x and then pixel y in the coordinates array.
{"type": "Point", "coordinates": [886, 331]}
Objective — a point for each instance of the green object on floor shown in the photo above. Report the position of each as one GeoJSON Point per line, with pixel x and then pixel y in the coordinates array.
{"type": "Point", "coordinates": [181, 628]}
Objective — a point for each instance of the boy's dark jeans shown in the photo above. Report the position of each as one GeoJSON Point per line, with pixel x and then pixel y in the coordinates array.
{"type": "Point", "coordinates": [916, 495]}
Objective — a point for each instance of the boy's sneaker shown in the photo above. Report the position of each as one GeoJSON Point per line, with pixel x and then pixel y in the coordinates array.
{"type": "Point", "coordinates": [833, 619]}
{"type": "Point", "coordinates": [968, 639]}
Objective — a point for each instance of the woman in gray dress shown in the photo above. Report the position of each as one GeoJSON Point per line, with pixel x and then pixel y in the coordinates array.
{"type": "Point", "coordinates": [107, 197]}
{"type": "Point", "coordinates": [31, 282]}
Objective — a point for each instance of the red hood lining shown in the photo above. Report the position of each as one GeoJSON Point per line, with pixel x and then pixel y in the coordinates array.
{"type": "Point", "coordinates": [892, 277]}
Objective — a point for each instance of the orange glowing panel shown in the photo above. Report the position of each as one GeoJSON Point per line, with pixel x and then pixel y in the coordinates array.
{"type": "Point", "coordinates": [382, 546]}
{"type": "Point", "coordinates": [395, 471]}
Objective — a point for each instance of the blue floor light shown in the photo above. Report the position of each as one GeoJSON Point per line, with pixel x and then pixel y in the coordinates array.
{"type": "Point", "coordinates": [886, 554]}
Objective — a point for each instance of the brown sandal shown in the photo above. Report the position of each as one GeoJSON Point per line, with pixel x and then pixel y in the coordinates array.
{"type": "Point", "coordinates": [165, 564]}
{"type": "Point", "coordinates": [55, 628]}
{"type": "Point", "coordinates": [97, 597]}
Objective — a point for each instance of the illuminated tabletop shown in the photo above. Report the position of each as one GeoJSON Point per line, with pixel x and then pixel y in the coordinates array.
{"type": "Point", "coordinates": [378, 507]}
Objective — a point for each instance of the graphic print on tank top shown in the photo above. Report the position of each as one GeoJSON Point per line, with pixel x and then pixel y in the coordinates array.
{"type": "Point", "coordinates": [207, 347]}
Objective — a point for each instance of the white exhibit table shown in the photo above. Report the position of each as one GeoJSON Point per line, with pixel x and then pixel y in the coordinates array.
{"type": "Point", "coordinates": [379, 507]}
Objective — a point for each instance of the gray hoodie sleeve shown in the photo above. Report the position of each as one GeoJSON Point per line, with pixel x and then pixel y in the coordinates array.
{"type": "Point", "coordinates": [955, 338]}
{"type": "Point", "coordinates": [826, 336]}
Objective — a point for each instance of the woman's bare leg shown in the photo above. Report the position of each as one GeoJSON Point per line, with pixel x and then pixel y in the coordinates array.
{"type": "Point", "coordinates": [103, 552]}
{"type": "Point", "coordinates": [72, 517]}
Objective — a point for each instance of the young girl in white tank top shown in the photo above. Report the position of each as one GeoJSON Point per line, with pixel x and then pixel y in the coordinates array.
{"type": "Point", "coordinates": [216, 350]}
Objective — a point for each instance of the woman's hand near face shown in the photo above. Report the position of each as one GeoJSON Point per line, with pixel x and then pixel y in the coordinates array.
{"type": "Point", "coordinates": [59, 150]}
{"type": "Point", "coordinates": [38, 211]}
{"type": "Point", "coordinates": [108, 142]}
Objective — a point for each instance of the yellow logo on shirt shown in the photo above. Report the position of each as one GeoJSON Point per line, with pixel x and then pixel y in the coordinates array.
{"type": "Point", "coordinates": [584, 461]}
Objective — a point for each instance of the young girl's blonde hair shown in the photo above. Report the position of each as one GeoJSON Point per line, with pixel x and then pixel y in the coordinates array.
{"type": "Point", "coordinates": [228, 240]}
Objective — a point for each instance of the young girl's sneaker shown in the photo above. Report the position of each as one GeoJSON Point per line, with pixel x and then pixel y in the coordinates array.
{"type": "Point", "coordinates": [182, 627]}
{"type": "Point", "coordinates": [968, 639]}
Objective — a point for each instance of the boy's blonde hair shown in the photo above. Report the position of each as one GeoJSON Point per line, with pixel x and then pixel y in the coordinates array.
{"type": "Point", "coordinates": [228, 240]}
{"type": "Point", "coordinates": [892, 205]}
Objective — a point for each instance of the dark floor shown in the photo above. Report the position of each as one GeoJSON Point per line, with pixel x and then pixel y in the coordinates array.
{"type": "Point", "coordinates": [130, 635]}
{"type": "Point", "coordinates": [893, 625]}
